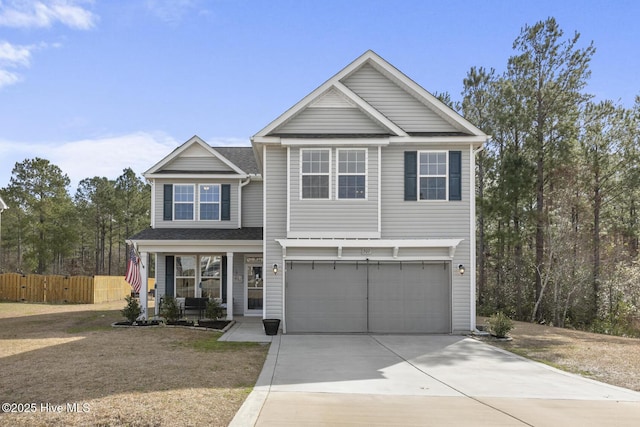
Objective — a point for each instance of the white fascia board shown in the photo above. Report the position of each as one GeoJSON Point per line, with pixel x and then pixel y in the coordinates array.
{"type": "Point", "coordinates": [199, 246]}
{"type": "Point", "coordinates": [301, 142]}
{"type": "Point", "coordinates": [333, 235]}
{"type": "Point", "coordinates": [376, 243]}
{"type": "Point", "coordinates": [195, 176]}
{"type": "Point", "coordinates": [368, 258]}
{"type": "Point", "coordinates": [304, 102]}
{"type": "Point", "coordinates": [369, 110]}
{"type": "Point", "coordinates": [175, 153]}
{"type": "Point", "coordinates": [428, 99]}
{"type": "Point", "coordinates": [474, 140]}
{"type": "Point", "coordinates": [265, 139]}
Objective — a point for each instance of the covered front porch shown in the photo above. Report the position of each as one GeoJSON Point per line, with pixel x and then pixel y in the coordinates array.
{"type": "Point", "coordinates": [204, 263]}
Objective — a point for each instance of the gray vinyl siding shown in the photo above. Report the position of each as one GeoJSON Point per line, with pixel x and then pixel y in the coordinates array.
{"type": "Point", "coordinates": [275, 185]}
{"type": "Point", "coordinates": [334, 215]}
{"type": "Point", "coordinates": [160, 275]}
{"type": "Point", "coordinates": [208, 164]}
{"type": "Point", "coordinates": [158, 208]}
{"type": "Point", "coordinates": [331, 121]}
{"type": "Point", "coordinates": [252, 204]}
{"type": "Point", "coordinates": [430, 220]}
{"type": "Point", "coordinates": [395, 103]}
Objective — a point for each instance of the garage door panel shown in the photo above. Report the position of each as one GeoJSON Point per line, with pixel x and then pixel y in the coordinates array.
{"type": "Point", "coordinates": [402, 297]}
{"type": "Point", "coordinates": [410, 298]}
{"type": "Point", "coordinates": [323, 297]}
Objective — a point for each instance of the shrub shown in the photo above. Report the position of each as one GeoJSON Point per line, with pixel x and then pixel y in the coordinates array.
{"type": "Point", "coordinates": [500, 324]}
{"type": "Point", "coordinates": [169, 309]}
{"type": "Point", "coordinates": [132, 310]}
{"type": "Point", "coordinates": [213, 309]}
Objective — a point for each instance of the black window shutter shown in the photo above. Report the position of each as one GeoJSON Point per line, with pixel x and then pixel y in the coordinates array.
{"type": "Point", "coordinates": [223, 267]}
{"type": "Point", "coordinates": [225, 212]}
{"type": "Point", "coordinates": [411, 175]}
{"type": "Point", "coordinates": [455, 175]}
{"type": "Point", "coordinates": [169, 275]}
{"type": "Point", "coordinates": [168, 202]}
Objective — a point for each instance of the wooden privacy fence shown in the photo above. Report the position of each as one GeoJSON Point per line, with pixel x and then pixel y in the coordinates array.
{"type": "Point", "coordinates": [61, 289]}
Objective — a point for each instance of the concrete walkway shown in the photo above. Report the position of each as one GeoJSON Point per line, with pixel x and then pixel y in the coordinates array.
{"type": "Point", "coordinates": [393, 380]}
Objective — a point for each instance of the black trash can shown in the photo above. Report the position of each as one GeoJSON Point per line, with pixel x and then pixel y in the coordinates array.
{"type": "Point", "coordinates": [271, 326]}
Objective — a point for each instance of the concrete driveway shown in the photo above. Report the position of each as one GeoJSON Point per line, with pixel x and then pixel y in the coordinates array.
{"type": "Point", "coordinates": [392, 380]}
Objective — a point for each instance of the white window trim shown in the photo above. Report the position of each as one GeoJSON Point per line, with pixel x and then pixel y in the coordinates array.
{"type": "Point", "coordinates": [176, 277]}
{"type": "Point", "coordinates": [219, 202]}
{"type": "Point", "coordinates": [302, 150]}
{"type": "Point", "coordinates": [173, 204]}
{"type": "Point", "coordinates": [445, 176]}
{"type": "Point", "coordinates": [198, 273]}
{"type": "Point", "coordinates": [366, 174]}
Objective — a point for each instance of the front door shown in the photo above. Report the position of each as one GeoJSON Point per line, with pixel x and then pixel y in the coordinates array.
{"type": "Point", "coordinates": [254, 288]}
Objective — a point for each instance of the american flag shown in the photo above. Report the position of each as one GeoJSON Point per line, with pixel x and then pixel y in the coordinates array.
{"type": "Point", "coordinates": [133, 271]}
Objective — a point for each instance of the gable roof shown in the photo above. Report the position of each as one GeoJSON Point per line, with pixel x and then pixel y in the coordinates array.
{"type": "Point", "coordinates": [379, 98]}
{"type": "Point", "coordinates": [205, 160]}
{"type": "Point", "coordinates": [241, 156]}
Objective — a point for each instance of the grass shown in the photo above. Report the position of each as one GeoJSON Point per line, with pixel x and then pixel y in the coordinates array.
{"type": "Point", "coordinates": [126, 376]}
{"type": "Point", "coordinates": [211, 343]}
{"type": "Point", "coordinates": [610, 359]}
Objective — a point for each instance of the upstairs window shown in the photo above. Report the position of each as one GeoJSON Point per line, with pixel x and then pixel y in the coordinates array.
{"type": "Point", "coordinates": [433, 175]}
{"type": "Point", "coordinates": [352, 173]}
{"type": "Point", "coordinates": [183, 201]}
{"type": "Point", "coordinates": [316, 170]}
{"type": "Point", "coordinates": [209, 202]}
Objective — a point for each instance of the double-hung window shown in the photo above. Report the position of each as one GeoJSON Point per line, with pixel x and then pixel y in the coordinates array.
{"type": "Point", "coordinates": [183, 201]}
{"type": "Point", "coordinates": [316, 172]}
{"type": "Point", "coordinates": [352, 173]}
{"type": "Point", "coordinates": [209, 202]}
{"type": "Point", "coordinates": [185, 276]}
{"type": "Point", "coordinates": [432, 169]}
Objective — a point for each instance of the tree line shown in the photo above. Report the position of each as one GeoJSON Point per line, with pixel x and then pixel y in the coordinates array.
{"type": "Point", "coordinates": [557, 188]}
{"type": "Point", "coordinates": [46, 230]}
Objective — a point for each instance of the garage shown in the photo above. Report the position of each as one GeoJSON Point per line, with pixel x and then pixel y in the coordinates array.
{"type": "Point", "coordinates": [383, 297]}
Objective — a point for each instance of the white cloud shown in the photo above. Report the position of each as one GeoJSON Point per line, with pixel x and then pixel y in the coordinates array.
{"type": "Point", "coordinates": [17, 56]}
{"type": "Point", "coordinates": [8, 78]}
{"type": "Point", "coordinates": [14, 55]}
{"type": "Point", "coordinates": [87, 158]}
{"type": "Point", "coordinates": [172, 11]}
{"type": "Point", "coordinates": [44, 14]}
{"type": "Point", "coordinates": [36, 14]}
{"type": "Point", "coordinates": [103, 157]}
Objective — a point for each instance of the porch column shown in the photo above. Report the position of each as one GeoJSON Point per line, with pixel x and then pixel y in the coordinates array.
{"type": "Point", "coordinates": [144, 291]}
{"type": "Point", "coordinates": [156, 297]}
{"type": "Point", "coordinates": [229, 285]}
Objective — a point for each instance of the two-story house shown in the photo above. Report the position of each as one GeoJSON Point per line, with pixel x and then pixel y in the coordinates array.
{"type": "Point", "coordinates": [356, 214]}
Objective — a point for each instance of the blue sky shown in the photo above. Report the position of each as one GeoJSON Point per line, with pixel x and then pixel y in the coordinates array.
{"type": "Point", "coordinates": [97, 86]}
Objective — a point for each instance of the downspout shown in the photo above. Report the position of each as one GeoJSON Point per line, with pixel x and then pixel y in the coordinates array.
{"type": "Point", "coordinates": [242, 184]}
{"type": "Point", "coordinates": [472, 235]}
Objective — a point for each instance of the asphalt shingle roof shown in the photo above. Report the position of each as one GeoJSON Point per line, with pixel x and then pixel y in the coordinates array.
{"type": "Point", "coordinates": [242, 157]}
{"type": "Point", "coordinates": [247, 233]}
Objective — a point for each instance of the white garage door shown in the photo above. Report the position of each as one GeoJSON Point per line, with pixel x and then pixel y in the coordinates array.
{"type": "Point", "coordinates": [390, 297]}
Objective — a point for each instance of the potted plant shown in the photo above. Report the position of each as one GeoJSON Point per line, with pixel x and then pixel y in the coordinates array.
{"type": "Point", "coordinates": [132, 310]}
{"type": "Point", "coordinates": [499, 325]}
{"type": "Point", "coordinates": [271, 326]}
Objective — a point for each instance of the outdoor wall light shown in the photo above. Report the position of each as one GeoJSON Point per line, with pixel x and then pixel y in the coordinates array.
{"type": "Point", "coordinates": [275, 269]}
{"type": "Point", "coordinates": [461, 269]}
